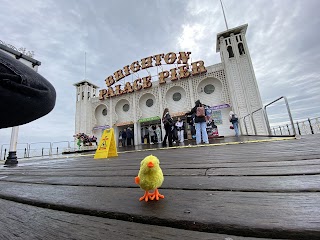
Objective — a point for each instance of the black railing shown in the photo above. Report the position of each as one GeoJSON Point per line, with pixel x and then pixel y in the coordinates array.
{"type": "Point", "coordinates": [305, 127]}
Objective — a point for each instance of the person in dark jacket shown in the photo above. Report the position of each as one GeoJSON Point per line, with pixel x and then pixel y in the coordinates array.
{"type": "Point", "coordinates": [124, 137]}
{"type": "Point", "coordinates": [129, 136]}
{"type": "Point", "coordinates": [200, 121]}
{"type": "Point", "coordinates": [168, 123]}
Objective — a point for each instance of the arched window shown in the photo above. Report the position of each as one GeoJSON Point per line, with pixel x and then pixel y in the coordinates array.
{"type": "Point", "coordinates": [241, 49]}
{"type": "Point", "coordinates": [230, 52]}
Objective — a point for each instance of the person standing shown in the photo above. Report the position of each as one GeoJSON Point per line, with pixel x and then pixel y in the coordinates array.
{"type": "Point", "coordinates": [129, 136]}
{"type": "Point", "coordinates": [168, 123]}
{"type": "Point", "coordinates": [151, 134]}
{"type": "Point", "coordinates": [124, 137]}
{"type": "Point", "coordinates": [233, 118]}
{"type": "Point", "coordinates": [158, 133]}
{"type": "Point", "coordinates": [200, 121]}
{"type": "Point", "coordinates": [180, 130]}
{"type": "Point", "coordinates": [120, 139]}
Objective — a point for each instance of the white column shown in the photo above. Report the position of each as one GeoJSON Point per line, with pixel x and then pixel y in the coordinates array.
{"type": "Point", "coordinates": [137, 135]}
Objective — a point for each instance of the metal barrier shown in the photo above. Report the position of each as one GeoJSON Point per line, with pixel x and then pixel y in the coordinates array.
{"type": "Point", "coordinates": [39, 149]}
{"type": "Point", "coordinates": [244, 122]}
{"type": "Point", "coordinates": [254, 125]}
{"type": "Point", "coordinates": [309, 126]}
{"type": "Point", "coordinates": [55, 147]}
{"type": "Point", "coordinates": [265, 115]}
{"type": "Point", "coordinates": [289, 113]}
{"type": "Point", "coordinates": [43, 148]}
{"type": "Point", "coordinates": [5, 149]}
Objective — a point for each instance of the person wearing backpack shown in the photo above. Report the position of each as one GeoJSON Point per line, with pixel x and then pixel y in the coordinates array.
{"type": "Point", "coordinates": [200, 121]}
{"type": "Point", "coordinates": [233, 118]}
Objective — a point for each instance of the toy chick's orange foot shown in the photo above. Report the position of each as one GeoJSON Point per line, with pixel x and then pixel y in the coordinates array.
{"type": "Point", "coordinates": [156, 195]}
{"type": "Point", "coordinates": [146, 196]}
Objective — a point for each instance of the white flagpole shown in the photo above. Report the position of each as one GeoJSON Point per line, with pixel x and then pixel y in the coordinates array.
{"type": "Point", "coordinates": [224, 15]}
{"type": "Point", "coordinates": [85, 65]}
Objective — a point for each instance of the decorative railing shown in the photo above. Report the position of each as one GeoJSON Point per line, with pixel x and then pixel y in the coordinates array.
{"type": "Point", "coordinates": [21, 49]}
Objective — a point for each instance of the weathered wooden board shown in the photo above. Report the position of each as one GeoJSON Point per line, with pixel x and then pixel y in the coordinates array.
{"type": "Point", "coordinates": [165, 165]}
{"type": "Point", "coordinates": [308, 183]}
{"type": "Point", "coordinates": [273, 215]}
{"type": "Point", "coordinates": [25, 222]}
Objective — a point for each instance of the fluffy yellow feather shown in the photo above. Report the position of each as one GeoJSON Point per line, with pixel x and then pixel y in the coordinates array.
{"type": "Point", "coordinates": [150, 177]}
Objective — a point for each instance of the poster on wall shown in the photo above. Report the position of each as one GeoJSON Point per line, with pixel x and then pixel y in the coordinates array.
{"type": "Point", "coordinates": [216, 117]}
{"type": "Point", "coordinates": [214, 113]}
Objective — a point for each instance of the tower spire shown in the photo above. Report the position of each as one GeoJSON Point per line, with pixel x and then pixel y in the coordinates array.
{"type": "Point", "coordinates": [224, 15]}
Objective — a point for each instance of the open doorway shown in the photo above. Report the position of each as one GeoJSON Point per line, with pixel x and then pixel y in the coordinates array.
{"type": "Point", "coordinates": [151, 132]}
{"type": "Point", "coordinates": [126, 135]}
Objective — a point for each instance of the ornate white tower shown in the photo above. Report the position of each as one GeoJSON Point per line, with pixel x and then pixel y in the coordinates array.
{"type": "Point", "coordinates": [245, 95]}
{"type": "Point", "coordinates": [84, 116]}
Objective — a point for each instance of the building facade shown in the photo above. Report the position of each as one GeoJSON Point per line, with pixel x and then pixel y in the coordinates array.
{"type": "Point", "coordinates": [227, 86]}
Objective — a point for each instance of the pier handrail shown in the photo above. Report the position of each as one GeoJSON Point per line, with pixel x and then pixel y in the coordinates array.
{"type": "Point", "coordinates": [244, 121]}
{"type": "Point", "coordinates": [254, 125]}
{"type": "Point", "coordinates": [265, 115]}
{"type": "Point", "coordinates": [50, 149]}
{"type": "Point", "coordinates": [289, 113]}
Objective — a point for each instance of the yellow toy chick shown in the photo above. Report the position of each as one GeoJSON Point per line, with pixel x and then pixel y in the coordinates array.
{"type": "Point", "coordinates": [150, 177]}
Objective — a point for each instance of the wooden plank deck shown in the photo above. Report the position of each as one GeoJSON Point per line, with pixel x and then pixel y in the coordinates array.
{"type": "Point", "coordinates": [236, 191]}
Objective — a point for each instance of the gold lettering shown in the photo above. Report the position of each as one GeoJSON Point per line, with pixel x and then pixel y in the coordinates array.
{"type": "Point", "coordinates": [126, 70]}
{"type": "Point", "coordinates": [110, 92]}
{"type": "Point", "coordinates": [157, 58]}
{"type": "Point", "coordinates": [183, 71]}
{"type": "Point", "coordinates": [147, 82]}
{"type": "Point", "coordinates": [118, 75]}
{"type": "Point", "coordinates": [174, 75]}
{"type": "Point", "coordinates": [136, 84]}
{"type": "Point", "coordinates": [109, 81]}
{"type": "Point", "coordinates": [170, 57]}
{"type": "Point", "coordinates": [184, 57]}
{"type": "Point", "coordinates": [135, 67]}
{"type": "Point", "coordinates": [146, 62]}
{"type": "Point", "coordinates": [102, 93]}
{"type": "Point", "coordinates": [128, 88]}
{"type": "Point", "coordinates": [162, 76]}
{"type": "Point", "coordinates": [198, 67]}
{"type": "Point", "coordinates": [118, 90]}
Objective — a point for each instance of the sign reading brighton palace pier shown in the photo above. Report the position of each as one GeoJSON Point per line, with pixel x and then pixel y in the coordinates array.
{"type": "Point", "coordinates": [153, 61]}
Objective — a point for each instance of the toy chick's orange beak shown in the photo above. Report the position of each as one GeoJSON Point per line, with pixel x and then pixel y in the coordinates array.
{"type": "Point", "coordinates": [150, 165]}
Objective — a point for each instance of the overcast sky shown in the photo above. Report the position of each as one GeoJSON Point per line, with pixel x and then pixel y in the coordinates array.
{"type": "Point", "coordinates": [282, 35]}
